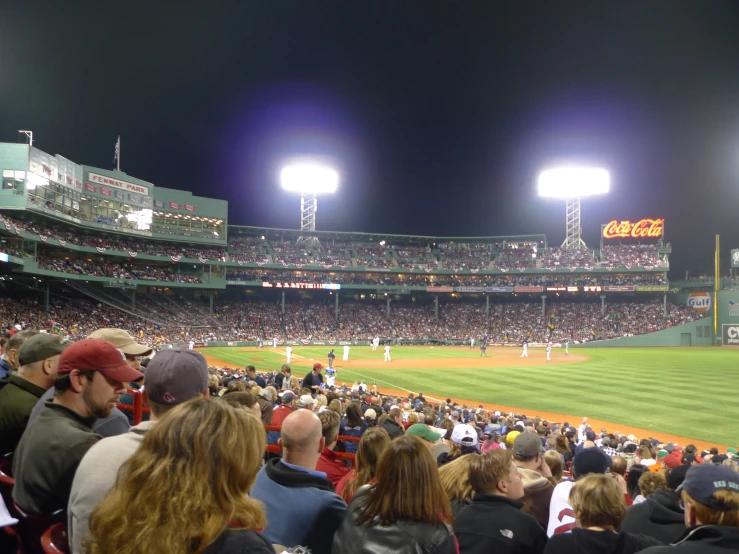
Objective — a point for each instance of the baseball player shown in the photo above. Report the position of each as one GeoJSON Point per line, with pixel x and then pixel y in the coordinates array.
{"type": "Point", "coordinates": [483, 349]}
{"type": "Point", "coordinates": [288, 353]}
{"type": "Point", "coordinates": [346, 353]}
{"type": "Point", "coordinates": [274, 342]}
{"type": "Point", "coordinates": [549, 351]}
{"type": "Point", "coordinates": [525, 353]}
{"type": "Point", "coordinates": [387, 352]}
{"type": "Point", "coordinates": [331, 358]}
{"type": "Point", "coordinates": [567, 346]}
{"type": "Point", "coordinates": [191, 345]}
{"type": "Point", "coordinates": [472, 342]}
{"type": "Point", "coordinates": [375, 343]}
{"type": "Point", "coordinates": [260, 344]}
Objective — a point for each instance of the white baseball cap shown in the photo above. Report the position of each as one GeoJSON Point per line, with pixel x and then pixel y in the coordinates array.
{"type": "Point", "coordinates": [464, 435]}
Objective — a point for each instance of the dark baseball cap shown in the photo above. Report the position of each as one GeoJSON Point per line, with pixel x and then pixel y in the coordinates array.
{"type": "Point", "coordinates": [590, 460]}
{"type": "Point", "coordinates": [176, 375]}
{"type": "Point", "coordinates": [39, 347]}
{"type": "Point", "coordinates": [97, 355]}
{"type": "Point", "coordinates": [703, 481]}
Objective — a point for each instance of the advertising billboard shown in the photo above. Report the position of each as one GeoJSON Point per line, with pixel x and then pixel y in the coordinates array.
{"type": "Point", "coordinates": [642, 229]}
{"type": "Point", "coordinates": [730, 334]}
{"type": "Point", "coordinates": [735, 258]}
{"type": "Point", "coordinates": [699, 301]}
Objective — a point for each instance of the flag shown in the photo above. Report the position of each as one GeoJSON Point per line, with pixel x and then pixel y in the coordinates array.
{"type": "Point", "coordinates": [117, 155]}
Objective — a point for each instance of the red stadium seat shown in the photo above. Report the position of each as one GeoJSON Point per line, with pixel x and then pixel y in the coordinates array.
{"type": "Point", "coordinates": [29, 529]}
{"type": "Point", "coordinates": [54, 540]}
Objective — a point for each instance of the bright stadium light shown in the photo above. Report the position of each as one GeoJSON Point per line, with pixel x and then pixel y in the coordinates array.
{"type": "Point", "coordinates": [310, 179]}
{"type": "Point", "coordinates": [573, 183]}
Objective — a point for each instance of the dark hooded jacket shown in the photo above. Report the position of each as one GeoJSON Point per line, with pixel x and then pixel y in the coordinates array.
{"type": "Point", "coordinates": [585, 541]}
{"type": "Point", "coordinates": [659, 516]}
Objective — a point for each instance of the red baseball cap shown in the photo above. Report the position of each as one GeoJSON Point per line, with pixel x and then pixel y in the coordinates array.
{"type": "Point", "coordinates": [97, 355]}
{"type": "Point", "coordinates": [317, 366]}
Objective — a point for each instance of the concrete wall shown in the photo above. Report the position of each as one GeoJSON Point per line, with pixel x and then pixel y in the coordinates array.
{"type": "Point", "coordinates": [700, 333]}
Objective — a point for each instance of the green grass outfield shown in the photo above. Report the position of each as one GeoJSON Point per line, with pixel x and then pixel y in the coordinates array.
{"type": "Point", "coordinates": [691, 392]}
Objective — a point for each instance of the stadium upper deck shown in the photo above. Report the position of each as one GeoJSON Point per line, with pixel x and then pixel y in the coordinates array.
{"type": "Point", "coordinates": [62, 218]}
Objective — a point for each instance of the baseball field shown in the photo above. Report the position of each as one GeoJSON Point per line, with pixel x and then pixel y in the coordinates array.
{"type": "Point", "coordinates": [676, 394]}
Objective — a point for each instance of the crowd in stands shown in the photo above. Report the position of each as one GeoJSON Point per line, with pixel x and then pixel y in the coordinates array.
{"type": "Point", "coordinates": [343, 468]}
{"type": "Point", "coordinates": [632, 255]}
{"type": "Point", "coordinates": [116, 271]}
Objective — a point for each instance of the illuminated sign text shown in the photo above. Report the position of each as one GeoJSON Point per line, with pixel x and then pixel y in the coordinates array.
{"type": "Point", "coordinates": [642, 229]}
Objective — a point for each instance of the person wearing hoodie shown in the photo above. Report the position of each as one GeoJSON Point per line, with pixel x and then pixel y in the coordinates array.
{"type": "Point", "coordinates": [538, 482]}
{"type": "Point", "coordinates": [710, 494]}
{"type": "Point", "coordinates": [599, 506]}
{"type": "Point", "coordinates": [172, 377]}
{"type": "Point", "coordinates": [660, 516]}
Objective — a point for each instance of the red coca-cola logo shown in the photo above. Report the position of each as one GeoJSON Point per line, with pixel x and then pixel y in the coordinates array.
{"type": "Point", "coordinates": [642, 229]}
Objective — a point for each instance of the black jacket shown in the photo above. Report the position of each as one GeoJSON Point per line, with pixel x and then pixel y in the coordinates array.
{"type": "Point", "coordinates": [392, 428]}
{"type": "Point", "coordinates": [401, 537]}
{"type": "Point", "coordinates": [659, 516]}
{"type": "Point", "coordinates": [705, 539]}
{"type": "Point", "coordinates": [240, 542]}
{"type": "Point", "coordinates": [584, 541]}
{"type": "Point", "coordinates": [311, 380]}
{"type": "Point", "coordinates": [493, 523]}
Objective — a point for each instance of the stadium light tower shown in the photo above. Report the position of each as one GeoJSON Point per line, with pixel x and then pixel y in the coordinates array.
{"type": "Point", "coordinates": [310, 179]}
{"type": "Point", "coordinates": [573, 184]}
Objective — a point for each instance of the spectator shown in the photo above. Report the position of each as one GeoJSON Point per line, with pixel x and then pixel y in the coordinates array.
{"type": "Point", "coordinates": [204, 505]}
{"type": "Point", "coordinates": [251, 373]}
{"type": "Point", "coordinates": [373, 443]}
{"type": "Point", "coordinates": [38, 358]}
{"type": "Point", "coordinates": [538, 483]}
{"type": "Point", "coordinates": [393, 424]}
{"type": "Point", "coordinates": [556, 465]}
{"type": "Point", "coordinates": [618, 466]}
{"type": "Point", "coordinates": [455, 480]}
{"type": "Point", "coordinates": [282, 380]}
{"type": "Point", "coordinates": [632, 483]}
{"type": "Point", "coordinates": [244, 400]}
{"type": "Point", "coordinates": [9, 362]}
{"type": "Point", "coordinates": [661, 515]}
{"type": "Point", "coordinates": [711, 497]}
{"type": "Point", "coordinates": [287, 407]}
{"type": "Point", "coordinates": [561, 516]}
{"type": "Point", "coordinates": [172, 377]}
{"type": "Point", "coordinates": [424, 432]}
{"type": "Point", "coordinates": [354, 426]}
{"type": "Point", "coordinates": [116, 423]}
{"type": "Point", "coordinates": [301, 505]}
{"type": "Point", "coordinates": [598, 503]}
{"type": "Point", "coordinates": [329, 463]}
{"type": "Point", "coordinates": [314, 379]}
{"type": "Point", "coordinates": [88, 384]}
{"type": "Point", "coordinates": [464, 441]}
{"type": "Point", "coordinates": [266, 400]}
{"type": "Point", "coordinates": [406, 510]}
{"type": "Point", "coordinates": [494, 522]}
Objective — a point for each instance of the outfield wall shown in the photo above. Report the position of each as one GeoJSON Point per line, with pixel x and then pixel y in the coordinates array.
{"type": "Point", "coordinates": [695, 333]}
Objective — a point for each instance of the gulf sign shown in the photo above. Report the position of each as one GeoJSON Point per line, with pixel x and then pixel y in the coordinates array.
{"type": "Point", "coordinates": [700, 301]}
{"type": "Point", "coordinates": [642, 229]}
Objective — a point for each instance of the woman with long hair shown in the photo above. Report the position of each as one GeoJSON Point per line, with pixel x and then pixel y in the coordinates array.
{"type": "Point", "coordinates": [556, 464]}
{"type": "Point", "coordinates": [405, 512]}
{"type": "Point", "coordinates": [632, 482]}
{"type": "Point", "coordinates": [185, 489]}
{"type": "Point", "coordinates": [455, 480]}
{"type": "Point", "coordinates": [352, 426]}
{"type": "Point", "coordinates": [371, 446]}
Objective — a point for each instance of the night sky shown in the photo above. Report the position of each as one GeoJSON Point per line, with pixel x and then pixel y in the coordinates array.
{"type": "Point", "coordinates": [439, 115]}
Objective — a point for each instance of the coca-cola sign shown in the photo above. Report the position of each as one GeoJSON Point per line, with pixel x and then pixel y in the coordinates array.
{"type": "Point", "coordinates": [642, 229]}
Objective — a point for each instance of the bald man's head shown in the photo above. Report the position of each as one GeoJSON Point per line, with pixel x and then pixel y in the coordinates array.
{"type": "Point", "coordinates": [301, 431]}
{"type": "Point", "coordinates": [618, 465]}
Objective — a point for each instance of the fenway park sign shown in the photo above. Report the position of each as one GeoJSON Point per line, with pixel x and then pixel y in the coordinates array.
{"type": "Point", "coordinates": [642, 229]}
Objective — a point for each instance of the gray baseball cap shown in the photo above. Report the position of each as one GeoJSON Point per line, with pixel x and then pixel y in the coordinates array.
{"type": "Point", "coordinates": [39, 347]}
{"type": "Point", "coordinates": [175, 376]}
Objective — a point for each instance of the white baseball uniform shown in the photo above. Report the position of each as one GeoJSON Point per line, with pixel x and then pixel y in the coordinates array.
{"type": "Point", "coordinates": [387, 353]}
{"type": "Point", "coordinates": [549, 352]}
{"type": "Point", "coordinates": [346, 353]}
{"type": "Point", "coordinates": [274, 343]}
{"type": "Point", "coordinates": [472, 343]}
{"type": "Point", "coordinates": [288, 353]}
{"type": "Point", "coordinates": [567, 347]}
{"type": "Point", "coordinates": [525, 353]}
{"type": "Point", "coordinates": [191, 345]}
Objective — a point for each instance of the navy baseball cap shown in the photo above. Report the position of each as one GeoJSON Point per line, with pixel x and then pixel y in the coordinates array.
{"type": "Point", "coordinates": [701, 482]}
{"type": "Point", "coordinates": [590, 460]}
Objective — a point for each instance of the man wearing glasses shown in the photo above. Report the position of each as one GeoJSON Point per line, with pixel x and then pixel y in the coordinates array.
{"type": "Point", "coordinates": [91, 376]}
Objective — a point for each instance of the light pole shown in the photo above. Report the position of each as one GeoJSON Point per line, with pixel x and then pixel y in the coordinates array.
{"type": "Point", "coordinates": [310, 179]}
{"type": "Point", "coordinates": [573, 183]}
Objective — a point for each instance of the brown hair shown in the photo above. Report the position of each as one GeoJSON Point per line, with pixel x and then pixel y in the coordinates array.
{"type": "Point", "coordinates": [711, 516]}
{"type": "Point", "coordinates": [185, 485]}
{"type": "Point", "coordinates": [598, 501]}
{"type": "Point", "coordinates": [455, 479]}
{"type": "Point", "coordinates": [412, 418]}
{"type": "Point", "coordinates": [490, 468]}
{"type": "Point", "coordinates": [554, 460]}
{"type": "Point", "coordinates": [373, 443]}
{"type": "Point", "coordinates": [330, 423]}
{"type": "Point", "coordinates": [335, 406]}
{"type": "Point", "coordinates": [407, 488]}
{"type": "Point", "coordinates": [650, 481]}
{"type": "Point", "coordinates": [236, 386]}
{"type": "Point", "coordinates": [239, 399]}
